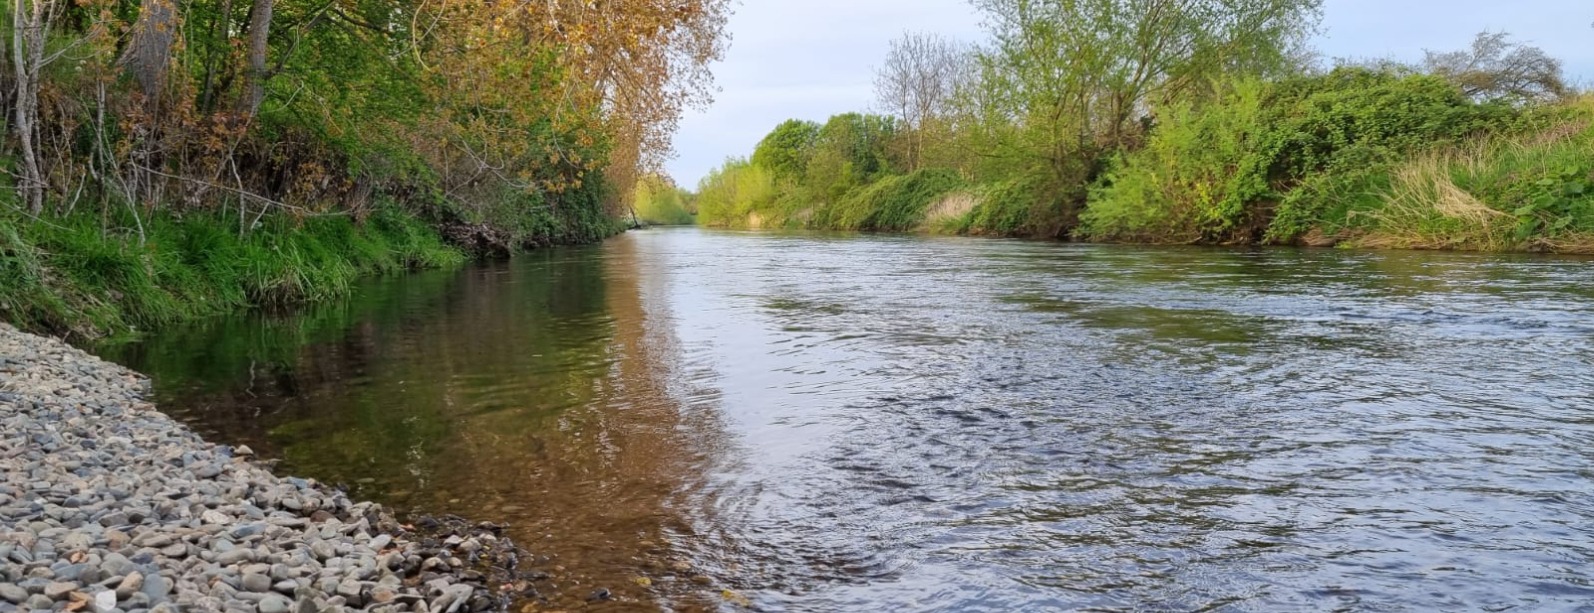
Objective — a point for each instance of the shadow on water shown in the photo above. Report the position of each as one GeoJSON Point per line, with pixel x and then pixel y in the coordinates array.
{"type": "Point", "coordinates": [857, 423]}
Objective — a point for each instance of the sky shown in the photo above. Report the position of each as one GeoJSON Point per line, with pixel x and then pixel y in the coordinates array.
{"type": "Point", "coordinates": [810, 59]}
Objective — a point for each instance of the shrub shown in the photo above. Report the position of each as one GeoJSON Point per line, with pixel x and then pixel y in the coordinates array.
{"type": "Point", "coordinates": [1227, 170]}
{"type": "Point", "coordinates": [896, 203]}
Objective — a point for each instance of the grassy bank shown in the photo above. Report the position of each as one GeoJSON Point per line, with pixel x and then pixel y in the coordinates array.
{"type": "Point", "coordinates": [72, 275]}
{"type": "Point", "coordinates": [85, 275]}
{"type": "Point", "coordinates": [1357, 158]}
{"type": "Point", "coordinates": [1527, 191]}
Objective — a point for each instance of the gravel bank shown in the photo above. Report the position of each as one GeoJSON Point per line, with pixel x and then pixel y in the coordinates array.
{"type": "Point", "coordinates": [109, 505]}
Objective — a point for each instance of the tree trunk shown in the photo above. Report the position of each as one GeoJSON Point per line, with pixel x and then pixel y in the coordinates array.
{"type": "Point", "coordinates": [27, 58]}
{"type": "Point", "coordinates": [6, 90]}
{"type": "Point", "coordinates": [256, 73]}
{"type": "Point", "coordinates": [220, 30]}
{"type": "Point", "coordinates": [150, 52]}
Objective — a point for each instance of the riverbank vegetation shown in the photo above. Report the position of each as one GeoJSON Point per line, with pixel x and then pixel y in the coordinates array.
{"type": "Point", "coordinates": [1199, 121]}
{"type": "Point", "coordinates": [148, 145]}
{"type": "Point", "coordinates": [657, 201]}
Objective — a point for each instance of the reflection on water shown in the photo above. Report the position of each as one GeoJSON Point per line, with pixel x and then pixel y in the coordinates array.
{"type": "Point", "coordinates": [698, 420]}
{"type": "Point", "coordinates": [541, 393]}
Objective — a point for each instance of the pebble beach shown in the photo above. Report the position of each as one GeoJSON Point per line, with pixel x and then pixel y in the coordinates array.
{"type": "Point", "coordinates": [108, 505]}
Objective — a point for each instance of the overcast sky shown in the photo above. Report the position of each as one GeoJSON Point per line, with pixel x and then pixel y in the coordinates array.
{"type": "Point", "coordinates": [811, 59]}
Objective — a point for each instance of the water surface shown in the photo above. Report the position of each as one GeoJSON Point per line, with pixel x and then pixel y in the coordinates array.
{"type": "Point", "coordinates": [700, 420]}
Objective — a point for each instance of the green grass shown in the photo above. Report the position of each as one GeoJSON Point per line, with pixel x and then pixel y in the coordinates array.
{"type": "Point", "coordinates": [1522, 192]}
{"type": "Point", "coordinates": [71, 276]}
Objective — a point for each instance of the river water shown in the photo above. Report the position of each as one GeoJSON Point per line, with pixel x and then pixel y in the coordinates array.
{"type": "Point", "coordinates": [697, 420]}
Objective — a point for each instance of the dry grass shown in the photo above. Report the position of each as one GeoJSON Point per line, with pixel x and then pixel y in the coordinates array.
{"type": "Point", "coordinates": [955, 205]}
{"type": "Point", "coordinates": [1425, 207]}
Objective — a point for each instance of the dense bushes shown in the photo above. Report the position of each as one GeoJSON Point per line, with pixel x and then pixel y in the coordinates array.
{"type": "Point", "coordinates": [810, 175]}
{"type": "Point", "coordinates": [1227, 169]}
{"type": "Point", "coordinates": [1361, 156]}
{"type": "Point", "coordinates": [1358, 155]}
{"type": "Point", "coordinates": [264, 128]}
{"type": "Point", "coordinates": [729, 196]}
{"type": "Point", "coordinates": [895, 203]}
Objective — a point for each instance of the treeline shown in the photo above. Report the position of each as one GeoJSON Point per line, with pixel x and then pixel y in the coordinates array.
{"type": "Point", "coordinates": [657, 201]}
{"type": "Point", "coordinates": [150, 143]}
{"type": "Point", "coordinates": [1186, 121]}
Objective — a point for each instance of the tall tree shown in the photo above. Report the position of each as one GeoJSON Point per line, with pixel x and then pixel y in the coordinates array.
{"type": "Point", "coordinates": [917, 84]}
{"type": "Point", "coordinates": [30, 28]}
{"type": "Point", "coordinates": [149, 52]}
{"type": "Point", "coordinates": [255, 71]}
{"type": "Point", "coordinates": [1496, 67]}
{"type": "Point", "coordinates": [786, 150]}
{"type": "Point", "coordinates": [1066, 76]}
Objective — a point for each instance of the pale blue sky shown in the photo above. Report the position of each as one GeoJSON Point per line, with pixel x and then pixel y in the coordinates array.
{"type": "Point", "coordinates": [811, 59]}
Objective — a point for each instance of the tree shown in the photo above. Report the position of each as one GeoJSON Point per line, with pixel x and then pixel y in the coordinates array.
{"type": "Point", "coordinates": [849, 151]}
{"type": "Point", "coordinates": [30, 28]}
{"type": "Point", "coordinates": [1104, 61]}
{"type": "Point", "coordinates": [149, 52]}
{"type": "Point", "coordinates": [917, 83]}
{"type": "Point", "coordinates": [1498, 68]}
{"type": "Point", "coordinates": [541, 85]}
{"type": "Point", "coordinates": [255, 72]}
{"type": "Point", "coordinates": [1067, 82]}
{"type": "Point", "coordinates": [487, 108]}
{"type": "Point", "coordinates": [786, 150]}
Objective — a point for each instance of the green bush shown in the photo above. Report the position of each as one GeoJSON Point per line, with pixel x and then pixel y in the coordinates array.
{"type": "Point", "coordinates": [1198, 175]}
{"type": "Point", "coordinates": [728, 195]}
{"type": "Point", "coordinates": [1028, 205]}
{"type": "Point", "coordinates": [1230, 169]}
{"type": "Point", "coordinates": [894, 204]}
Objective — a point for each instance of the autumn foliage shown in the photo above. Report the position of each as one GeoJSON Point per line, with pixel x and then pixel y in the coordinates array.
{"type": "Point", "coordinates": [519, 117]}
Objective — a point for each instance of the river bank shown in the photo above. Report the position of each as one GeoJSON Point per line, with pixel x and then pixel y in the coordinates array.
{"type": "Point", "coordinates": [80, 276]}
{"type": "Point", "coordinates": [109, 505]}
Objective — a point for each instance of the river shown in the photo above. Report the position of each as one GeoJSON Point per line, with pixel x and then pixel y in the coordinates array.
{"type": "Point", "coordinates": [700, 420]}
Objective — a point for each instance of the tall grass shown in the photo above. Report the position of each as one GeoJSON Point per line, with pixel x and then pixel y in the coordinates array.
{"type": "Point", "coordinates": [1532, 191]}
{"type": "Point", "coordinates": [73, 276]}
{"type": "Point", "coordinates": [1274, 161]}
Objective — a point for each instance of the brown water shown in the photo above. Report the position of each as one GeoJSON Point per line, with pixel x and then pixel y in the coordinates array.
{"type": "Point", "coordinates": [701, 420]}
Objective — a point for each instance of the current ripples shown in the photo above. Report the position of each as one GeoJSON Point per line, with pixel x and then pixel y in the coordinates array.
{"type": "Point", "coordinates": [1028, 426]}
{"type": "Point", "coordinates": [698, 420]}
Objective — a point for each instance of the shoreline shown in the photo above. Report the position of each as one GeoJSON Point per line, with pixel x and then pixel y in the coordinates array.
{"type": "Point", "coordinates": [107, 504]}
